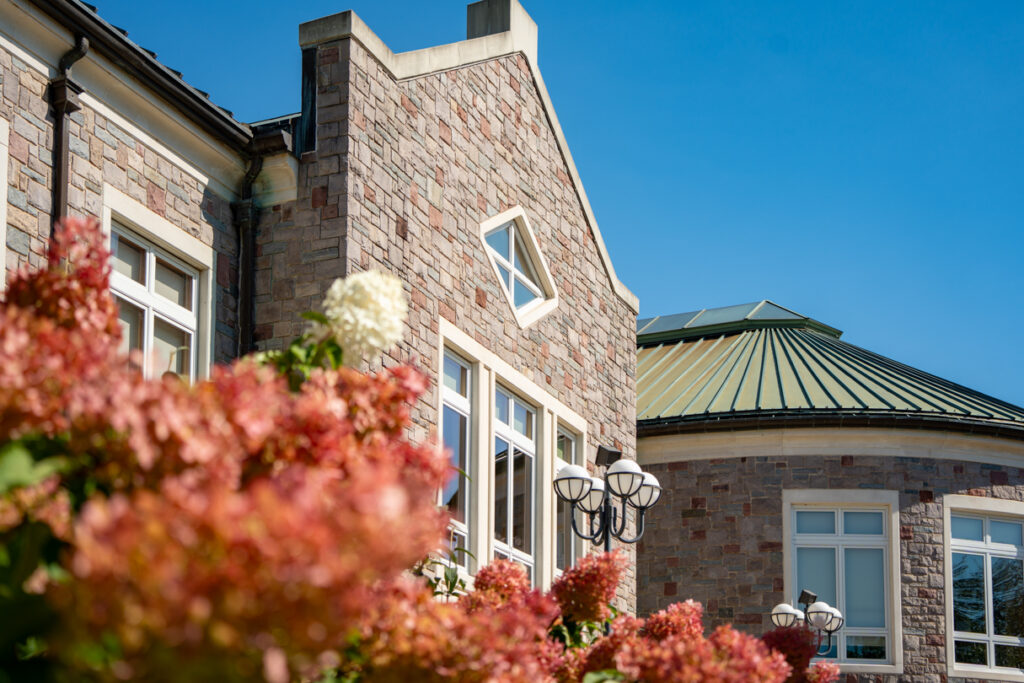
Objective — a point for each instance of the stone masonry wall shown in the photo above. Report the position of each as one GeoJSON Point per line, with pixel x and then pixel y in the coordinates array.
{"type": "Point", "coordinates": [403, 175]}
{"type": "Point", "coordinates": [716, 537]}
{"type": "Point", "coordinates": [102, 152]}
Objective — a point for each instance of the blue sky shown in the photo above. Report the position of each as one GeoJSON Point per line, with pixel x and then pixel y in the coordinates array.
{"type": "Point", "coordinates": [860, 163]}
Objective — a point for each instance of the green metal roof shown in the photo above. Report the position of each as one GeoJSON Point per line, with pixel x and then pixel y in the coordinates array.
{"type": "Point", "coordinates": [761, 360]}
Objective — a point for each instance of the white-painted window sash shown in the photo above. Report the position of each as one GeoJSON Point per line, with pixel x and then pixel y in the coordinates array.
{"type": "Point", "coordinates": [154, 306]}
{"type": "Point", "coordinates": [838, 542]}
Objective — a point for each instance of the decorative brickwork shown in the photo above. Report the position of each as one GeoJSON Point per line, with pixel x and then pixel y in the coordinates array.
{"type": "Point", "coordinates": [716, 537]}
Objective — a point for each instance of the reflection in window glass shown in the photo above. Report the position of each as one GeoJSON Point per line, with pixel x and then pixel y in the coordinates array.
{"type": "Point", "coordinates": [967, 652]}
{"type": "Point", "coordinates": [498, 240]}
{"type": "Point", "coordinates": [172, 284]}
{"type": "Point", "coordinates": [172, 348]}
{"type": "Point", "coordinates": [501, 406]}
{"type": "Point", "coordinates": [129, 259]}
{"type": "Point", "coordinates": [522, 503]}
{"type": "Point", "coordinates": [865, 647]}
{"type": "Point", "coordinates": [456, 432]}
{"type": "Point", "coordinates": [1007, 596]}
{"type": "Point", "coordinates": [968, 593]}
{"type": "Point", "coordinates": [156, 296]}
{"type": "Point", "coordinates": [501, 483]}
{"type": "Point", "coordinates": [132, 323]}
{"type": "Point", "coordinates": [1010, 656]}
{"type": "Point", "coordinates": [455, 376]}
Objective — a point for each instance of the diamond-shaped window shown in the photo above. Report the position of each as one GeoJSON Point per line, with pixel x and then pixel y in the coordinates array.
{"type": "Point", "coordinates": [519, 264]}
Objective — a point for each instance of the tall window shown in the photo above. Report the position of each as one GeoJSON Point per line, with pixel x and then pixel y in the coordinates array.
{"type": "Point", "coordinates": [565, 544]}
{"type": "Point", "coordinates": [842, 554]}
{"type": "Point", "coordinates": [514, 472]}
{"type": "Point", "coordinates": [455, 427]}
{"type": "Point", "coordinates": [987, 575]}
{"type": "Point", "coordinates": [157, 296]}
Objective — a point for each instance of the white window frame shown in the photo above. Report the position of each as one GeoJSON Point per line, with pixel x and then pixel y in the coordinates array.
{"type": "Point", "coordinates": [841, 500]}
{"type": "Point", "coordinates": [529, 313]}
{"type": "Point", "coordinates": [463, 405]}
{"type": "Point", "coordinates": [5, 161]}
{"type": "Point", "coordinates": [575, 543]}
{"type": "Point", "coordinates": [178, 246]}
{"type": "Point", "coordinates": [979, 508]}
{"type": "Point", "coordinates": [142, 295]}
{"type": "Point", "coordinates": [527, 446]}
{"type": "Point", "coordinates": [488, 373]}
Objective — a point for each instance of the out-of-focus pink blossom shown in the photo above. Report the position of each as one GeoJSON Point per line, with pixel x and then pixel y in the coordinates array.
{"type": "Point", "coordinates": [584, 591]}
{"type": "Point", "coordinates": [410, 636]}
{"type": "Point", "coordinates": [823, 672]}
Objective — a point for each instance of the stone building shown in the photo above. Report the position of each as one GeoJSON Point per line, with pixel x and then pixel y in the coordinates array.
{"type": "Point", "coordinates": [446, 166]}
{"type": "Point", "coordinates": [793, 460]}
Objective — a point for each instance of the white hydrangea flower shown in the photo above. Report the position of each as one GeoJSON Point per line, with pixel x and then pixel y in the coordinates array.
{"type": "Point", "coordinates": [366, 314]}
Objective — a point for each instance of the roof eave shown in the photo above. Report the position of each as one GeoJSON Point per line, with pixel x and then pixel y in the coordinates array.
{"type": "Point", "coordinates": [108, 41]}
{"type": "Point", "coordinates": [827, 418]}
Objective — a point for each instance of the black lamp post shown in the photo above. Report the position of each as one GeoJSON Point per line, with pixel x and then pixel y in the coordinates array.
{"type": "Point", "coordinates": [817, 615]}
{"type": "Point", "coordinates": [605, 500]}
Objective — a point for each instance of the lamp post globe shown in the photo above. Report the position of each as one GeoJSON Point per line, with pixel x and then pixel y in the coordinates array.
{"type": "Point", "coordinates": [648, 494]}
{"type": "Point", "coordinates": [573, 484]}
{"type": "Point", "coordinates": [624, 478]}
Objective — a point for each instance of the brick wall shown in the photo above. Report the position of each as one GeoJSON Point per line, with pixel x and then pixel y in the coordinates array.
{"type": "Point", "coordinates": [103, 152]}
{"type": "Point", "coordinates": [403, 175]}
{"type": "Point", "coordinates": [716, 537]}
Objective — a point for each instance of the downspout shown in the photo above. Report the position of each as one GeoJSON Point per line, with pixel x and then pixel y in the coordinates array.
{"type": "Point", "coordinates": [246, 214]}
{"type": "Point", "coordinates": [265, 143]}
{"type": "Point", "coordinates": [64, 94]}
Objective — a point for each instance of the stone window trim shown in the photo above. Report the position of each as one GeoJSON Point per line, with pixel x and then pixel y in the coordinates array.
{"type": "Point", "coordinates": [489, 373]}
{"type": "Point", "coordinates": [978, 507]}
{"type": "Point", "coordinates": [5, 141]}
{"type": "Point", "coordinates": [121, 210]}
{"type": "Point", "coordinates": [847, 499]}
{"type": "Point", "coordinates": [532, 312]}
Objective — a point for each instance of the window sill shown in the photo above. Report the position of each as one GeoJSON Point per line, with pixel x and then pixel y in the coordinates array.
{"type": "Point", "coordinates": [986, 673]}
{"type": "Point", "coordinates": [872, 669]}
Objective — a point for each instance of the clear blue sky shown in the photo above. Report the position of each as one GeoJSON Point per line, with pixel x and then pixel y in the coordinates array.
{"type": "Point", "coordinates": [860, 163]}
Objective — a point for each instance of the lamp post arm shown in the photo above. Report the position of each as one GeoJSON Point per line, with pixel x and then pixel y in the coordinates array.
{"type": "Point", "coordinates": [593, 536]}
{"type": "Point", "coordinates": [639, 527]}
{"type": "Point", "coordinates": [620, 528]}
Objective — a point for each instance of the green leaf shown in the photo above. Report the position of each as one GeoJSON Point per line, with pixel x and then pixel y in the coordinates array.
{"type": "Point", "coordinates": [18, 468]}
{"type": "Point", "coordinates": [601, 676]}
{"type": "Point", "coordinates": [316, 317]}
{"type": "Point", "coordinates": [32, 647]}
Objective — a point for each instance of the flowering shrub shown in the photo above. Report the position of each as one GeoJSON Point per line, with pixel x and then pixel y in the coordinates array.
{"type": "Point", "coordinates": [583, 594]}
{"type": "Point", "coordinates": [225, 529]}
{"type": "Point", "coordinates": [799, 644]}
{"type": "Point", "coordinates": [365, 313]}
